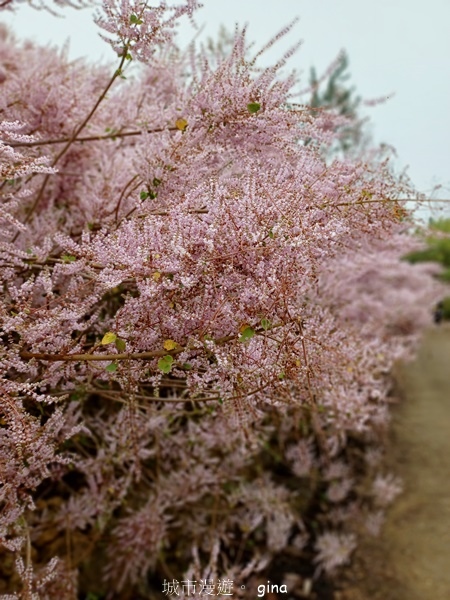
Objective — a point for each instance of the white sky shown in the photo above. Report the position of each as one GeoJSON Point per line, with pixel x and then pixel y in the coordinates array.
{"type": "Point", "coordinates": [399, 47]}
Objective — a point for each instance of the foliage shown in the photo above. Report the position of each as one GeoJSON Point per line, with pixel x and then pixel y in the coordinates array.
{"type": "Point", "coordinates": [193, 299]}
{"type": "Point", "coordinates": [437, 251]}
{"type": "Point", "coordinates": [438, 247]}
{"type": "Point", "coordinates": [339, 97]}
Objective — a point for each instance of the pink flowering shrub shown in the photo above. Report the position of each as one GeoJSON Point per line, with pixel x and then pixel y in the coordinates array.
{"type": "Point", "coordinates": [199, 313]}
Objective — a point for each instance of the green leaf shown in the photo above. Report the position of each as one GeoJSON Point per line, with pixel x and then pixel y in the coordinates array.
{"type": "Point", "coordinates": [441, 224]}
{"type": "Point", "coordinates": [111, 367]}
{"type": "Point", "coordinates": [266, 324]}
{"type": "Point", "coordinates": [135, 20]}
{"type": "Point", "coordinates": [271, 234]}
{"type": "Point", "coordinates": [229, 486]}
{"type": "Point", "coordinates": [247, 334]}
{"type": "Point", "coordinates": [165, 363]}
{"type": "Point", "coordinates": [121, 345]}
{"type": "Point", "coordinates": [156, 181]}
{"type": "Point", "coordinates": [253, 107]}
{"type": "Point", "coordinates": [68, 258]}
{"type": "Point", "coordinates": [144, 195]}
{"type": "Point", "coordinates": [281, 376]}
{"type": "Point", "coordinates": [187, 366]}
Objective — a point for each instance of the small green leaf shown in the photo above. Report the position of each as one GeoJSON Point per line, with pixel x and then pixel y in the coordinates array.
{"type": "Point", "coordinates": [165, 363]}
{"type": "Point", "coordinates": [266, 324]}
{"type": "Point", "coordinates": [121, 345]}
{"type": "Point", "coordinates": [111, 367]}
{"type": "Point", "coordinates": [68, 258]}
{"type": "Point", "coordinates": [150, 194]}
{"type": "Point", "coordinates": [128, 56]}
{"type": "Point", "coordinates": [187, 366]}
{"type": "Point", "coordinates": [247, 334]}
{"type": "Point", "coordinates": [253, 107]}
{"type": "Point", "coordinates": [135, 20]}
{"type": "Point", "coordinates": [271, 234]}
{"type": "Point", "coordinates": [156, 181]}
{"type": "Point", "coordinates": [281, 376]}
{"type": "Point", "coordinates": [29, 251]}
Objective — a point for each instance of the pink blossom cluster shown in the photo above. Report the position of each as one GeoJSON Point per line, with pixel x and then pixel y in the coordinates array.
{"type": "Point", "coordinates": [191, 296]}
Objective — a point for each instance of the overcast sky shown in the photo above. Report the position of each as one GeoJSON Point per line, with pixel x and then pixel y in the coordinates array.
{"type": "Point", "coordinates": [398, 48]}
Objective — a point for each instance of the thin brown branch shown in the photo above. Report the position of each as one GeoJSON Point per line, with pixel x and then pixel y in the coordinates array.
{"type": "Point", "coordinates": [116, 210]}
{"type": "Point", "coordinates": [119, 356]}
{"type": "Point", "coordinates": [74, 136]}
{"type": "Point", "coordinates": [97, 357]}
{"type": "Point", "coordinates": [26, 355]}
{"type": "Point", "coordinates": [115, 395]}
{"type": "Point", "coordinates": [360, 202]}
{"type": "Point", "coordinates": [90, 138]}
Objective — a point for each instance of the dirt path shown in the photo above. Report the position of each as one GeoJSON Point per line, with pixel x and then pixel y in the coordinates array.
{"type": "Point", "coordinates": [411, 559]}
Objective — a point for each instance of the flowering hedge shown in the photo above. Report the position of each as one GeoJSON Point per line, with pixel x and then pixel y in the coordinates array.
{"type": "Point", "coordinates": [192, 295]}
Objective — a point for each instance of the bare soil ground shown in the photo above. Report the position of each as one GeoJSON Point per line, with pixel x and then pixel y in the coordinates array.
{"type": "Point", "coordinates": [411, 558]}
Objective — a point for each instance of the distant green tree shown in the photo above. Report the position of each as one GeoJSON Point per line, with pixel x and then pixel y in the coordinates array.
{"type": "Point", "coordinates": [338, 95]}
{"type": "Point", "coordinates": [437, 250]}
{"type": "Point", "coordinates": [438, 247]}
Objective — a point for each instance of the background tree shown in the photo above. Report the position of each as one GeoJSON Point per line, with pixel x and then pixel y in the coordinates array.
{"type": "Point", "coordinates": [437, 251]}
{"type": "Point", "coordinates": [337, 95]}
